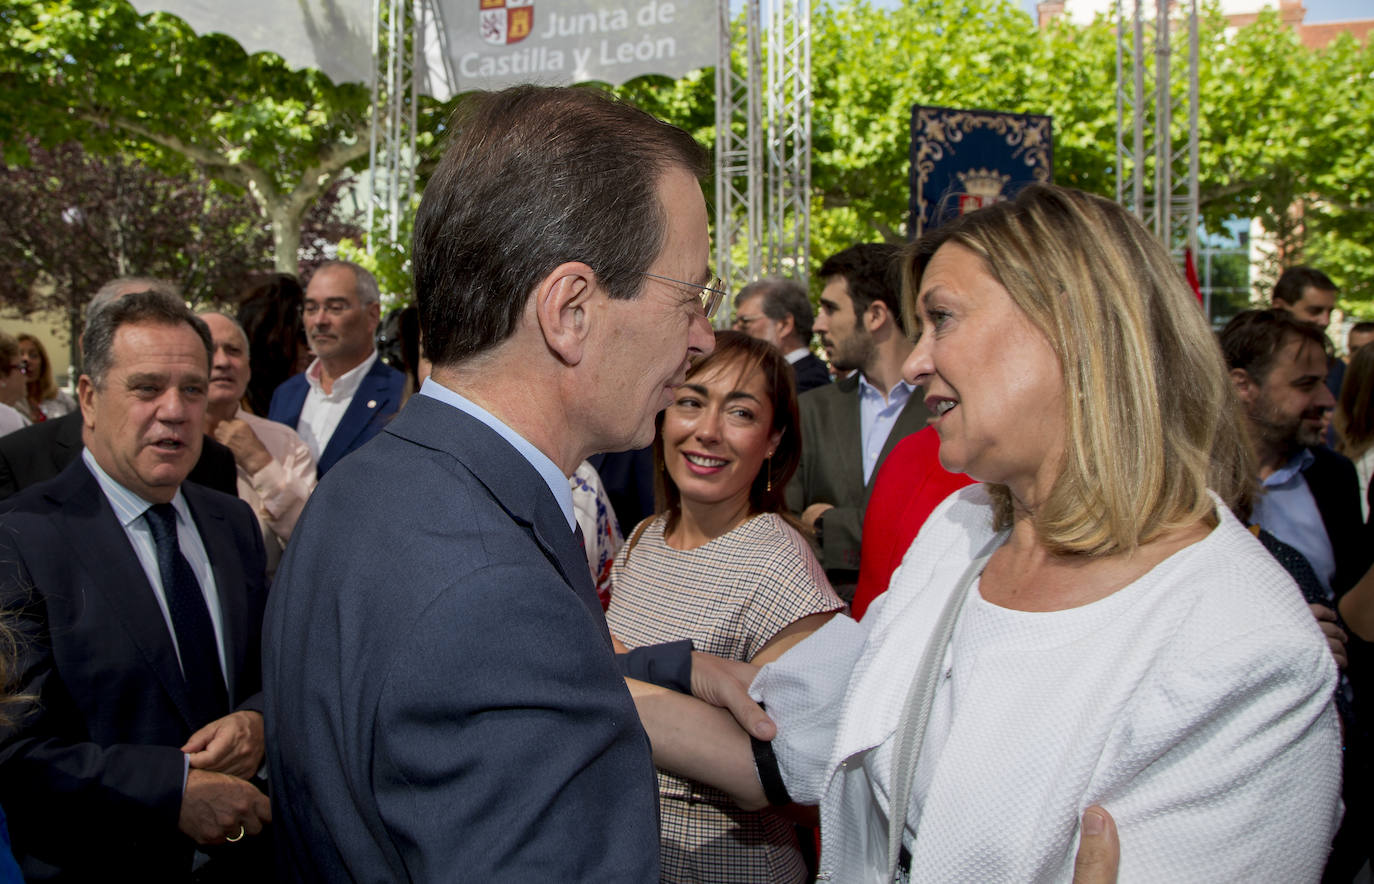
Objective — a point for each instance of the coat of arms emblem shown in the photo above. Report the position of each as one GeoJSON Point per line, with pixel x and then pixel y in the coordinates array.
{"type": "Point", "coordinates": [506, 21]}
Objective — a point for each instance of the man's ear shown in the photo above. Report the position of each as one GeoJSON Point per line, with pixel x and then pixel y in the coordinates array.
{"type": "Point", "coordinates": [786, 326]}
{"type": "Point", "coordinates": [876, 314]}
{"type": "Point", "coordinates": [563, 303]}
{"type": "Point", "coordinates": [85, 395]}
{"type": "Point", "coordinates": [1246, 388]}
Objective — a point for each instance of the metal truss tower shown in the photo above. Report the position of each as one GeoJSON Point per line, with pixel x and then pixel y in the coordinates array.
{"type": "Point", "coordinates": [763, 143]}
{"type": "Point", "coordinates": [788, 160]}
{"type": "Point", "coordinates": [739, 150]}
{"type": "Point", "coordinates": [1154, 179]}
{"type": "Point", "coordinates": [408, 50]}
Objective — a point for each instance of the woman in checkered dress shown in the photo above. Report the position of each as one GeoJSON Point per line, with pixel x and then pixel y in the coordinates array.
{"type": "Point", "coordinates": [724, 565]}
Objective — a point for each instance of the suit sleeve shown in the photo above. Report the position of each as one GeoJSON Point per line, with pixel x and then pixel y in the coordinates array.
{"type": "Point", "coordinates": [507, 746]}
{"type": "Point", "coordinates": [52, 782]}
{"type": "Point", "coordinates": [668, 665]}
{"type": "Point", "coordinates": [841, 538]}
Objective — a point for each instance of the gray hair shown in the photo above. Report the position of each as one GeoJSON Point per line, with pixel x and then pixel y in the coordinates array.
{"type": "Point", "coordinates": [782, 298]}
{"type": "Point", "coordinates": [97, 342]}
{"type": "Point", "coordinates": [238, 325]}
{"type": "Point", "coordinates": [124, 285]}
{"type": "Point", "coordinates": [364, 283]}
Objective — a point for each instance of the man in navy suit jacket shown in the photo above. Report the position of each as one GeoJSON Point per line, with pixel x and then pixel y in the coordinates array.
{"type": "Point", "coordinates": [442, 697]}
{"type": "Point", "coordinates": [125, 755]}
{"type": "Point", "coordinates": [347, 394]}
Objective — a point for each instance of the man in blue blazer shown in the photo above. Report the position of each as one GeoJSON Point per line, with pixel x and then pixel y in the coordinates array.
{"type": "Point", "coordinates": [442, 697]}
{"type": "Point", "coordinates": [347, 394]}
{"type": "Point", "coordinates": [141, 720]}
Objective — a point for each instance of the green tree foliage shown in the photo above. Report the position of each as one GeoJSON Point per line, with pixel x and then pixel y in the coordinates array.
{"type": "Point", "coordinates": [98, 73]}
{"type": "Point", "coordinates": [1284, 130]}
{"type": "Point", "coordinates": [74, 220]}
{"type": "Point", "coordinates": [871, 65]}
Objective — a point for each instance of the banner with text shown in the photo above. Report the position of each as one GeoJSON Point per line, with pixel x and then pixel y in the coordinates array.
{"type": "Point", "coordinates": [497, 43]}
{"type": "Point", "coordinates": [962, 160]}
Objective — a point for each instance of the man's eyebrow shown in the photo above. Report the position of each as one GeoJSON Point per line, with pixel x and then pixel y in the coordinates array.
{"type": "Point", "coordinates": [145, 377]}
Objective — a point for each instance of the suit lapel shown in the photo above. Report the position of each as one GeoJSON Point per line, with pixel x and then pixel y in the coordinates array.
{"type": "Point", "coordinates": [849, 456]}
{"type": "Point", "coordinates": [67, 442]}
{"type": "Point", "coordinates": [227, 565]}
{"type": "Point", "coordinates": [561, 546]}
{"type": "Point", "coordinates": [370, 397]}
{"type": "Point", "coordinates": [111, 568]}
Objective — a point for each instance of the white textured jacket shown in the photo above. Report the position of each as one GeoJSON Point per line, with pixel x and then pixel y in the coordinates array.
{"type": "Point", "coordinates": [1194, 704]}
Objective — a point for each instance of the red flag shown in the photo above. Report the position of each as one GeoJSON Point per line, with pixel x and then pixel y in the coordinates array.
{"type": "Point", "coordinates": [1190, 270]}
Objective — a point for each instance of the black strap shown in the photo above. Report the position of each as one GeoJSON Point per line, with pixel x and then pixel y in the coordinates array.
{"type": "Point", "coordinates": [766, 763]}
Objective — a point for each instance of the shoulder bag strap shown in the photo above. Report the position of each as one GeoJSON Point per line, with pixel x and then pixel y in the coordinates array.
{"type": "Point", "coordinates": [911, 726]}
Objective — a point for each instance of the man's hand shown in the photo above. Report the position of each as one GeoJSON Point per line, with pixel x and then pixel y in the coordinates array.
{"type": "Point", "coordinates": [1335, 636]}
{"type": "Point", "coordinates": [215, 805]}
{"type": "Point", "coordinates": [725, 683]}
{"type": "Point", "coordinates": [1099, 850]}
{"type": "Point", "coordinates": [232, 745]}
{"type": "Point", "coordinates": [248, 449]}
{"type": "Point", "coordinates": [813, 512]}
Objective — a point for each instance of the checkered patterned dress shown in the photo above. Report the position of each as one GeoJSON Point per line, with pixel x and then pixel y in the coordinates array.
{"type": "Point", "coordinates": [730, 597]}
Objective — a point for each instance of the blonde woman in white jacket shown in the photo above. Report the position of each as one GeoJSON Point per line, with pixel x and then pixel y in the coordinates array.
{"type": "Point", "coordinates": [1089, 627]}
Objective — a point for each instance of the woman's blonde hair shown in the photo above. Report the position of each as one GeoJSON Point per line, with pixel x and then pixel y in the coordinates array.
{"type": "Point", "coordinates": [47, 387]}
{"type": "Point", "coordinates": [1153, 421]}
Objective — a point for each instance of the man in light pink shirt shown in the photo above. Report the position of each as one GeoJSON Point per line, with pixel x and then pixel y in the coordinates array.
{"type": "Point", "coordinates": [276, 472]}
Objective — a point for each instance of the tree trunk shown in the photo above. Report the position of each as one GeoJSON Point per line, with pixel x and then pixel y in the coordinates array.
{"type": "Point", "coordinates": [286, 235]}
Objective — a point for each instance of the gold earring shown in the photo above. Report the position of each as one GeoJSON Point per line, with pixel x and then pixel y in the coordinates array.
{"type": "Point", "coordinates": [769, 468]}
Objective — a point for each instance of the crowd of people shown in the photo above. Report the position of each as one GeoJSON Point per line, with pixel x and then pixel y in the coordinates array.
{"type": "Point", "coordinates": [1034, 577]}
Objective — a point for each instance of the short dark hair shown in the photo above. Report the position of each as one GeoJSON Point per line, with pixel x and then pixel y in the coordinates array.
{"type": "Point", "coordinates": [782, 297]}
{"type": "Point", "coordinates": [97, 342]}
{"type": "Point", "coordinates": [768, 491]}
{"type": "Point", "coordinates": [533, 177]}
{"type": "Point", "coordinates": [872, 273]}
{"type": "Point", "coordinates": [1295, 280]}
{"type": "Point", "coordinates": [1252, 339]}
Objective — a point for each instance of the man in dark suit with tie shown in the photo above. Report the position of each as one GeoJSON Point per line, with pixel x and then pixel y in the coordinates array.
{"type": "Point", "coordinates": [442, 698]}
{"type": "Point", "coordinates": [138, 600]}
{"type": "Point", "coordinates": [347, 394]}
{"type": "Point", "coordinates": [778, 310]}
{"type": "Point", "coordinates": [40, 452]}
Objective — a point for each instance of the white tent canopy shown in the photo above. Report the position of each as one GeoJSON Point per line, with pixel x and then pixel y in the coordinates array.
{"type": "Point", "coordinates": [334, 36]}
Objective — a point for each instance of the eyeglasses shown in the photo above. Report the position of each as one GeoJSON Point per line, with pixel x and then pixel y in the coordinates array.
{"type": "Point", "coordinates": [711, 294]}
{"type": "Point", "coordinates": [334, 307]}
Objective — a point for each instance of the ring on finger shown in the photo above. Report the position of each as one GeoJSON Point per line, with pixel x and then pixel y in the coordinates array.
{"type": "Point", "coordinates": [234, 838]}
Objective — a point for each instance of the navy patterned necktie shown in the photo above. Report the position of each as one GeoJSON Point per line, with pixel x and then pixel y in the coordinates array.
{"type": "Point", "coordinates": [190, 618]}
